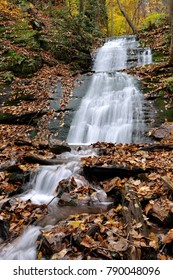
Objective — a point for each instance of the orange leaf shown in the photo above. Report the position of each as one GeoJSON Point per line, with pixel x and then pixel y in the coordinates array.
{"type": "Point", "coordinates": [168, 237]}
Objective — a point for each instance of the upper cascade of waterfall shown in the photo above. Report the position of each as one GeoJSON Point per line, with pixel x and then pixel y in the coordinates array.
{"type": "Point", "coordinates": [112, 109]}
{"type": "Point", "coordinates": [120, 53]}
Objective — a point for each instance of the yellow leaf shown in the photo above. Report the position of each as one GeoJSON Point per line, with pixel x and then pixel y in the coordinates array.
{"type": "Point", "coordinates": [23, 167]}
{"type": "Point", "coordinates": [31, 5]}
{"type": "Point", "coordinates": [39, 256]}
{"type": "Point", "coordinates": [75, 224]}
{"type": "Point", "coordinates": [153, 241]}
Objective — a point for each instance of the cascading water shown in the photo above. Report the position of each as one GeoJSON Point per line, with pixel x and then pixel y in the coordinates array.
{"type": "Point", "coordinates": [111, 111]}
{"type": "Point", "coordinates": [23, 247]}
{"type": "Point", "coordinates": [45, 182]}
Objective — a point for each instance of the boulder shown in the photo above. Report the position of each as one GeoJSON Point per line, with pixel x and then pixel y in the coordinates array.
{"type": "Point", "coordinates": [164, 132]}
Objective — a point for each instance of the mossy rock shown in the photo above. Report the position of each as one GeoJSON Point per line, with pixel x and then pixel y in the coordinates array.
{"type": "Point", "coordinates": [6, 77]}
{"type": "Point", "coordinates": [46, 43]}
{"type": "Point", "coordinates": [17, 98]}
{"type": "Point", "coordinates": [20, 64]}
{"type": "Point", "coordinates": [158, 57]}
{"type": "Point", "coordinates": [27, 118]}
{"type": "Point", "coordinates": [169, 83]}
{"type": "Point", "coordinates": [77, 58]}
{"type": "Point", "coordinates": [6, 117]}
{"type": "Point", "coordinates": [27, 66]}
{"type": "Point", "coordinates": [162, 112]}
{"type": "Point", "coordinates": [27, 38]}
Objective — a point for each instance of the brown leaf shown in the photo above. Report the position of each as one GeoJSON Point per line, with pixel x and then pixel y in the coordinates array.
{"type": "Point", "coordinates": [154, 241]}
{"type": "Point", "coordinates": [168, 237]}
{"type": "Point", "coordinates": [148, 207]}
{"type": "Point", "coordinates": [120, 246]}
{"type": "Point", "coordinates": [60, 255]}
{"type": "Point", "coordinates": [88, 242]}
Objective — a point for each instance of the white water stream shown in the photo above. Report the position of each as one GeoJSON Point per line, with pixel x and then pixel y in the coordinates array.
{"type": "Point", "coordinates": [111, 111]}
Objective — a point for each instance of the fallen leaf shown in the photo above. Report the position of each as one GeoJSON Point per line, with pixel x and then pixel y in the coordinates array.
{"type": "Point", "coordinates": [75, 224]}
{"type": "Point", "coordinates": [88, 242]}
{"type": "Point", "coordinates": [40, 256]}
{"type": "Point", "coordinates": [154, 241]}
{"type": "Point", "coordinates": [168, 237]}
{"type": "Point", "coordinates": [119, 246]}
{"type": "Point", "coordinates": [60, 255]}
{"type": "Point", "coordinates": [148, 207]}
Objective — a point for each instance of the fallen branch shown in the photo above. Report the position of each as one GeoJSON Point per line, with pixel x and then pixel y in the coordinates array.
{"type": "Point", "coordinates": [102, 173]}
{"type": "Point", "coordinates": [43, 161]}
{"type": "Point", "coordinates": [167, 182]}
{"type": "Point", "coordinates": [153, 148]}
{"type": "Point", "coordinates": [132, 212]}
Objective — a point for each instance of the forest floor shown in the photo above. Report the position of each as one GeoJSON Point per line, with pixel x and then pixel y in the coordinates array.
{"type": "Point", "coordinates": [143, 183]}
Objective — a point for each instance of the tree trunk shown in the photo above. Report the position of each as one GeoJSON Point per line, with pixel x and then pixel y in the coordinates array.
{"type": "Point", "coordinates": [133, 27]}
{"type": "Point", "coordinates": [171, 18]}
{"type": "Point", "coordinates": [112, 19]}
{"type": "Point", "coordinates": [81, 6]}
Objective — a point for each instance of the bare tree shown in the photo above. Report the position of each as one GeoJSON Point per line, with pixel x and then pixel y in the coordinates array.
{"type": "Point", "coordinates": [112, 18]}
{"type": "Point", "coordinates": [129, 21]}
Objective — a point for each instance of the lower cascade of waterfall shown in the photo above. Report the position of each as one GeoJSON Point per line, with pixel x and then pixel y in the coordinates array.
{"type": "Point", "coordinates": [111, 111]}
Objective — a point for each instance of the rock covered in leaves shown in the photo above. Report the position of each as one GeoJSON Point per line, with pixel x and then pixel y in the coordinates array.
{"type": "Point", "coordinates": [16, 215]}
{"type": "Point", "coordinates": [164, 132]}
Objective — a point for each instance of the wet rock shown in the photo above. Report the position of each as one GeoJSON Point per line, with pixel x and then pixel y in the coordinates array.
{"type": "Point", "coordinates": [4, 229]}
{"type": "Point", "coordinates": [58, 147]}
{"type": "Point", "coordinates": [31, 118]}
{"type": "Point", "coordinates": [35, 158]}
{"type": "Point", "coordinates": [66, 200]}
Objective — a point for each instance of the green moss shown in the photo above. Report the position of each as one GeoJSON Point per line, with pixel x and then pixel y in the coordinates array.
{"type": "Point", "coordinates": [6, 77]}
{"type": "Point", "coordinates": [33, 133]}
{"type": "Point", "coordinates": [158, 57]}
{"type": "Point", "coordinates": [163, 113]}
{"type": "Point", "coordinates": [17, 97]}
{"type": "Point", "coordinates": [19, 64]}
{"type": "Point", "coordinates": [169, 83]}
{"type": "Point", "coordinates": [26, 38]}
{"type": "Point", "coordinates": [5, 117]}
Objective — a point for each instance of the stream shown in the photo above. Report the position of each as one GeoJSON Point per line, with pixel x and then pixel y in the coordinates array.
{"type": "Point", "coordinates": [112, 110]}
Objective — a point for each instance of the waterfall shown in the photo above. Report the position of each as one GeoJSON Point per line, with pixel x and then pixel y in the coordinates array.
{"type": "Point", "coordinates": [45, 181]}
{"type": "Point", "coordinates": [111, 110]}
{"type": "Point", "coordinates": [23, 247]}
